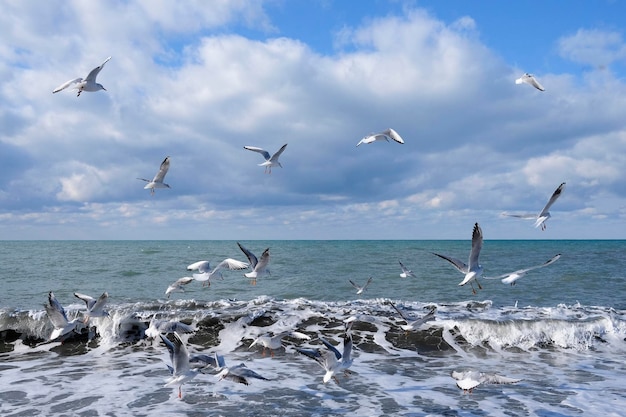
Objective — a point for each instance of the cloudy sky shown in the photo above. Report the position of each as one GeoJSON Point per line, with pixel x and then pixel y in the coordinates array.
{"type": "Point", "coordinates": [198, 80]}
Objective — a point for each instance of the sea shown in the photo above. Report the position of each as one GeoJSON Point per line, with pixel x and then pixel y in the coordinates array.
{"type": "Point", "coordinates": [561, 330]}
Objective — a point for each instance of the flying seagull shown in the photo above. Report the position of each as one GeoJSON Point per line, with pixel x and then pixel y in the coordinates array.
{"type": "Point", "coordinates": [206, 272]}
{"type": "Point", "coordinates": [359, 289]}
{"type": "Point", "coordinates": [276, 340]}
{"type": "Point", "coordinates": [474, 269]}
{"type": "Point", "coordinates": [543, 216]}
{"type": "Point", "coordinates": [412, 325]}
{"type": "Point", "coordinates": [331, 359]}
{"type": "Point", "coordinates": [178, 285]}
{"type": "Point", "coordinates": [163, 326]}
{"type": "Point", "coordinates": [468, 380]}
{"type": "Point", "coordinates": [259, 266]}
{"type": "Point", "coordinates": [95, 307]}
{"type": "Point", "coordinates": [88, 84]}
{"type": "Point", "coordinates": [157, 181]}
{"type": "Point", "coordinates": [179, 357]}
{"type": "Point", "coordinates": [406, 272]}
{"type": "Point", "coordinates": [239, 373]}
{"type": "Point", "coordinates": [530, 80]}
{"type": "Point", "coordinates": [58, 318]}
{"type": "Point", "coordinates": [270, 161]}
{"type": "Point", "coordinates": [380, 136]}
{"type": "Point", "coordinates": [512, 277]}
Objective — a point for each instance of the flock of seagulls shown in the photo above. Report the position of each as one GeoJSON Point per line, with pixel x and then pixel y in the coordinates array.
{"type": "Point", "coordinates": [184, 367]}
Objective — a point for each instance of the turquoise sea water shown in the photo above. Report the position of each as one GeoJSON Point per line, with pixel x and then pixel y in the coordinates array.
{"type": "Point", "coordinates": [561, 329]}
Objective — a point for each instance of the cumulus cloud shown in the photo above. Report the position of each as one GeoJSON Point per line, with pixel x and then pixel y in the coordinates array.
{"type": "Point", "coordinates": [597, 48]}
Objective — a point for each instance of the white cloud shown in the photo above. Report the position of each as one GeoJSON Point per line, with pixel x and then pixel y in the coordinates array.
{"type": "Point", "coordinates": [598, 48]}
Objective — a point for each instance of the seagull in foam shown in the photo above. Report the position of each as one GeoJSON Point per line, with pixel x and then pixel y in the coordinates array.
{"type": "Point", "coordinates": [95, 307]}
{"type": "Point", "coordinates": [474, 270]}
{"type": "Point", "coordinates": [157, 181]}
{"type": "Point", "coordinates": [87, 84]}
{"type": "Point", "coordinates": [468, 380]}
{"type": "Point", "coordinates": [58, 318]}
{"type": "Point", "coordinates": [275, 341]}
{"type": "Point", "coordinates": [380, 136]}
{"type": "Point", "coordinates": [543, 216]}
{"type": "Point", "coordinates": [331, 359]}
{"type": "Point", "coordinates": [530, 80]}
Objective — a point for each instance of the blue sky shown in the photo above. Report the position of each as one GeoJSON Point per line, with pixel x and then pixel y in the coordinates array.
{"type": "Point", "coordinates": [199, 80]}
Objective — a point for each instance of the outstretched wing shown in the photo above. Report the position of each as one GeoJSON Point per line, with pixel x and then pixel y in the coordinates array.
{"type": "Point", "coordinates": [457, 263]}
{"type": "Point", "coordinates": [275, 157]}
{"type": "Point", "coordinates": [94, 72]}
{"type": "Point", "coordinates": [393, 135]}
{"type": "Point", "coordinates": [477, 244]}
{"type": "Point", "coordinates": [251, 256]}
{"type": "Point", "coordinates": [555, 195]}
{"type": "Point", "coordinates": [399, 312]}
{"type": "Point", "coordinates": [67, 84]}
{"type": "Point", "coordinates": [165, 166]}
{"type": "Point", "coordinates": [55, 311]}
{"type": "Point", "coordinates": [231, 264]}
{"type": "Point", "coordinates": [263, 152]}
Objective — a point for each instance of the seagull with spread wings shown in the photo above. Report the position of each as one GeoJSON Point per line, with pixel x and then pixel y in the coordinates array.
{"type": "Point", "coordinates": [259, 266]}
{"type": "Point", "coordinates": [512, 277]}
{"type": "Point", "coordinates": [380, 136]}
{"type": "Point", "coordinates": [206, 272]}
{"type": "Point", "coordinates": [543, 216]}
{"type": "Point", "coordinates": [87, 84]}
{"type": "Point", "coordinates": [530, 80]}
{"type": "Point", "coordinates": [157, 181]}
{"type": "Point", "coordinates": [270, 161]}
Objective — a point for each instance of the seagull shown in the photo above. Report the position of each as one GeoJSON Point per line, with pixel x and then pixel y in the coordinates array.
{"type": "Point", "coordinates": [270, 161]}
{"type": "Point", "coordinates": [157, 181]}
{"type": "Point", "coordinates": [157, 327]}
{"type": "Point", "coordinates": [88, 84]}
{"type": "Point", "coordinates": [56, 314]}
{"type": "Point", "coordinates": [259, 267]}
{"type": "Point", "coordinates": [276, 341]}
{"type": "Point", "coordinates": [468, 380]}
{"type": "Point", "coordinates": [95, 308]}
{"type": "Point", "coordinates": [544, 215]}
{"type": "Point", "coordinates": [474, 270]}
{"type": "Point", "coordinates": [530, 80]}
{"type": "Point", "coordinates": [204, 361]}
{"type": "Point", "coordinates": [359, 290]}
{"type": "Point", "coordinates": [512, 277]}
{"type": "Point", "coordinates": [406, 272]}
{"type": "Point", "coordinates": [181, 370]}
{"type": "Point", "coordinates": [206, 273]}
{"type": "Point", "coordinates": [178, 285]}
{"type": "Point", "coordinates": [239, 373]}
{"type": "Point", "coordinates": [384, 135]}
{"type": "Point", "coordinates": [329, 359]}
{"type": "Point", "coordinates": [412, 325]}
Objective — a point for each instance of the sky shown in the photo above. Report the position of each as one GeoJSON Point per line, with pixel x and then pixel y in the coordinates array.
{"type": "Point", "coordinates": [199, 80]}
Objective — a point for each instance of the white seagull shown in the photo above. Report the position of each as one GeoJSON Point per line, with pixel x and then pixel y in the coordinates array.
{"type": "Point", "coordinates": [88, 84]}
{"type": "Point", "coordinates": [157, 181]}
{"type": "Point", "coordinates": [384, 135]}
{"type": "Point", "coordinates": [270, 161]}
{"type": "Point", "coordinates": [178, 285]}
{"type": "Point", "coordinates": [474, 269]}
{"type": "Point", "coordinates": [181, 370]}
{"type": "Point", "coordinates": [544, 214]}
{"type": "Point", "coordinates": [530, 80]}
{"type": "Point", "coordinates": [56, 314]}
{"type": "Point", "coordinates": [512, 277]}
{"type": "Point", "coordinates": [276, 341]}
{"type": "Point", "coordinates": [359, 289]}
{"type": "Point", "coordinates": [412, 325]}
{"type": "Point", "coordinates": [159, 326]}
{"type": "Point", "coordinates": [468, 380]}
{"type": "Point", "coordinates": [331, 359]}
{"type": "Point", "coordinates": [206, 272]}
{"type": "Point", "coordinates": [95, 307]}
{"type": "Point", "coordinates": [259, 266]}
{"type": "Point", "coordinates": [239, 373]}
{"type": "Point", "coordinates": [406, 272]}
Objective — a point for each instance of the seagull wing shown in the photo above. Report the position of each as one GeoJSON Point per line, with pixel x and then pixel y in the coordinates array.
{"type": "Point", "coordinates": [200, 266]}
{"type": "Point", "coordinates": [264, 261]}
{"type": "Point", "coordinates": [55, 312]}
{"type": "Point", "coordinates": [89, 301]}
{"type": "Point", "coordinates": [477, 244]}
{"type": "Point", "coordinates": [399, 312]}
{"type": "Point", "coordinates": [393, 135]}
{"type": "Point", "coordinates": [100, 302]}
{"type": "Point", "coordinates": [165, 166]}
{"type": "Point", "coordinates": [251, 256]}
{"type": "Point", "coordinates": [533, 81]}
{"type": "Point", "coordinates": [369, 280]}
{"type": "Point", "coordinates": [263, 152]}
{"type": "Point", "coordinates": [94, 72]}
{"type": "Point", "coordinates": [275, 157]}
{"type": "Point", "coordinates": [521, 216]}
{"type": "Point", "coordinates": [354, 284]}
{"type": "Point", "coordinates": [67, 84]}
{"type": "Point", "coordinates": [231, 264]}
{"type": "Point", "coordinates": [331, 348]}
{"type": "Point", "coordinates": [525, 270]}
{"type": "Point", "coordinates": [458, 264]}
{"type": "Point", "coordinates": [497, 379]}
{"type": "Point", "coordinates": [555, 195]}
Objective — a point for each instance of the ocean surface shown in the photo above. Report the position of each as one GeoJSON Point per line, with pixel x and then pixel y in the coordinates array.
{"type": "Point", "coordinates": [561, 329]}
